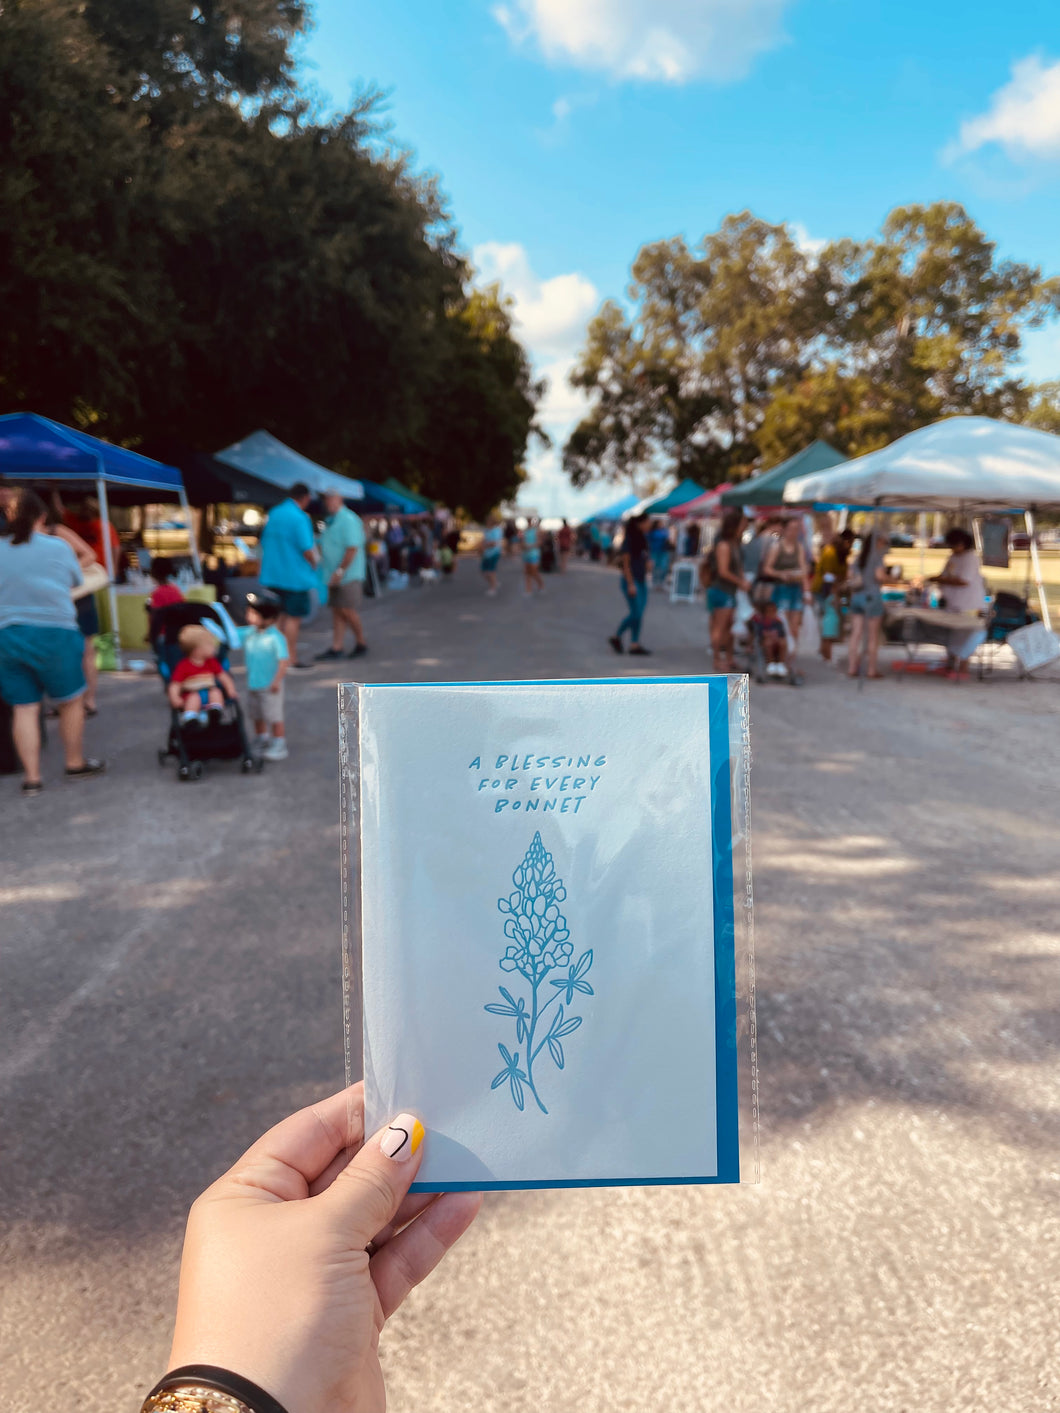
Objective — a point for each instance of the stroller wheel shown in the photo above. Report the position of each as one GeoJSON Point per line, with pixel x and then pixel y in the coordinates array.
{"type": "Point", "coordinates": [163, 756]}
{"type": "Point", "coordinates": [184, 773]}
{"type": "Point", "coordinates": [196, 770]}
{"type": "Point", "coordinates": [248, 764]}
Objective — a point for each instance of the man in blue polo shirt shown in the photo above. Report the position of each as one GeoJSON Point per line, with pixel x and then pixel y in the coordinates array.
{"type": "Point", "coordinates": [342, 569]}
{"type": "Point", "coordinates": [288, 563]}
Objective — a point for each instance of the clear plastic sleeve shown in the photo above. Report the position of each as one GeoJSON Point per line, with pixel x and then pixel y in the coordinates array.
{"type": "Point", "coordinates": [586, 1006]}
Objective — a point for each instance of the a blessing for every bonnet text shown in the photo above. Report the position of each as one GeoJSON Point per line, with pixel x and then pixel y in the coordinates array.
{"type": "Point", "coordinates": [559, 784]}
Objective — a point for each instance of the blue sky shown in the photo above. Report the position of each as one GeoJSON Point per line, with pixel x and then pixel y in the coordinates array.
{"type": "Point", "coordinates": [567, 133]}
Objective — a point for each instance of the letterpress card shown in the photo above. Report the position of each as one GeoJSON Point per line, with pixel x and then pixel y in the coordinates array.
{"type": "Point", "coordinates": [540, 907]}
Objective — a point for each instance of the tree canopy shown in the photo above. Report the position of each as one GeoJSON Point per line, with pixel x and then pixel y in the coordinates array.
{"type": "Point", "coordinates": [188, 251]}
{"type": "Point", "coordinates": [738, 353]}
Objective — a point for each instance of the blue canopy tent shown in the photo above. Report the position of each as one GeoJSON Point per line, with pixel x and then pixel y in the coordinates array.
{"type": "Point", "coordinates": [34, 448]}
{"type": "Point", "coordinates": [613, 512]}
{"type": "Point", "coordinates": [265, 456]}
{"type": "Point", "coordinates": [385, 500]}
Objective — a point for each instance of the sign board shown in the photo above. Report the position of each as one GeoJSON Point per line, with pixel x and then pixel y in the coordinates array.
{"type": "Point", "coordinates": [684, 581]}
{"type": "Point", "coordinates": [1035, 646]}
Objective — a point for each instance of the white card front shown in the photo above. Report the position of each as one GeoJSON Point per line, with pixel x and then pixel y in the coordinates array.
{"type": "Point", "coordinates": [537, 928]}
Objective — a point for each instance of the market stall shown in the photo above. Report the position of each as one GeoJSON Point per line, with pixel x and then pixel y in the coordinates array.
{"type": "Point", "coordinates": [971, 465]}
{"type": "Point", "coordinates": [36, 450]}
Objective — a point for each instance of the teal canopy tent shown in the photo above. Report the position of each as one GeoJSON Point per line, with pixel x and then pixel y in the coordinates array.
{"type": "Point", "coordinates": [670, 500]}
{"type": "Point", "coordinates": [768, 488]}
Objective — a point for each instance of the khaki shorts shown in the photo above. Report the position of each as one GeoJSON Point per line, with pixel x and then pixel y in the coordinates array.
{"type": "Point", "coordinates": [346, 595]}
{"type": "Point", "coordinates": [266, 706]}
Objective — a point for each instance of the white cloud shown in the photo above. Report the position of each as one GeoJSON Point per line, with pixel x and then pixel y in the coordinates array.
{"type": "Point", "coordinates": [1023, 118]}
{"type": "Point", "coordinates": [808, 244]}
{"type": "Point", "coordinates": [551, 314]}
{"type": "Point", "coordinates": [550, 318]}
{"type": "Point", "coordinates": [669, 41]}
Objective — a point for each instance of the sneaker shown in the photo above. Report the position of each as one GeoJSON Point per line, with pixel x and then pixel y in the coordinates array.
{"type": "Point", "coordinates": [86, 771]}
{"type": "Point", "coordinates": [203, 718]}
{"type": "Point", "coordinates": [771, 669]}
{"type": "Point", "coordinates": [616, 643]}
{"type": "Point", "coordinates": [782, 670]}
{"type": "Point", "coordinates": [262, 741]}
{"type": "Point", "coordinates": [329, 655]}
{"type": "Point", "coordinates": [276, 749]}
{"type": "Point", "coordinates": [636, 650]}
{"type": "Point", "coordinates": [188, 716]}
{"type": "Point", "coordinates": [359, 650]}
{"type": "Point", "coordinates": [301, 666]}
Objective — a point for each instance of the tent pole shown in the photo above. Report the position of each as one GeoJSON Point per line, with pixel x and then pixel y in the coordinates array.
{"type": "Point", "coordinates": [108, 560]}
{"type": "Point", "coordinates": [196, 561]}
{"type": "Point", "coordinates": [921, 534]}
{"type": "Point", "coordinates": [1036, 564]}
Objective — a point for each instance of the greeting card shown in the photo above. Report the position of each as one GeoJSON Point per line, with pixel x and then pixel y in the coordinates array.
{"type": "Point", "coordinates": [545, 925]}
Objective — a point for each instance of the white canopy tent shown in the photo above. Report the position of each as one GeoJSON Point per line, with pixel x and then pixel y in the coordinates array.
{"type": "Point", "coordinates": [969, 464]}
{"type": "Point", "coordinates": [265, 456]}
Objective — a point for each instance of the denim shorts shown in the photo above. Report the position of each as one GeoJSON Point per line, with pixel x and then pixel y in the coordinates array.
{"type": "Point", "coordinates": [720, 598]}
{"type": "Point", "coordinates": [37, 662]}
{"type": "Point", "coordinates": [294, 602]}
{"type": "Point", "coordinates": [788, 597]}
{"type": "Point", "coordinates": [861, 604]}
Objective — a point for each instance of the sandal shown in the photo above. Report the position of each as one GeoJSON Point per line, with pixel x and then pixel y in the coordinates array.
{"type": "Point", "coordinates": [32, 787]}
{"type": "Point", "coordinates": [87, 771]}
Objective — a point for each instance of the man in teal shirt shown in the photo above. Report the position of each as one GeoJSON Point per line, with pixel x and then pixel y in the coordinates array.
{"type": "Point", "coordinates": [342, 568]}
{"type": "Point", "coordinates": [288, 563]}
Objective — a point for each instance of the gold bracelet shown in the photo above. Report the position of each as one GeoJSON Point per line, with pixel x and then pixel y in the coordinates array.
{"type": "Point", "coordinates": [193, 1398]}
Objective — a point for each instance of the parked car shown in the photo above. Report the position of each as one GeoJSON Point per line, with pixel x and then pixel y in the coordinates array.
{"type": "Point", "coordinates": [901, 540]}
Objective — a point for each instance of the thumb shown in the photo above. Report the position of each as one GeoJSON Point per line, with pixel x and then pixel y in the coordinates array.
{"type": "Point", "coordinates": [371, 1187]}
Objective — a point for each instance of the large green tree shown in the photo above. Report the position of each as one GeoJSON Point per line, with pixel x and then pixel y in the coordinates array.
{"type": "Point", "coordinates": [738, 353]}
{"type": "Point", "coordinates": [188, 251]}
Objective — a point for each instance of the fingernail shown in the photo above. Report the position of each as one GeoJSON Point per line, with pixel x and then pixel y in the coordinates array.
{"type": "Point", "coordinates": [402, 1137]}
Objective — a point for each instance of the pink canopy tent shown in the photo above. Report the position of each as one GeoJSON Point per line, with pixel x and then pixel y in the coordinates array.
{"type": "Point", "coordinates": [709, 503]}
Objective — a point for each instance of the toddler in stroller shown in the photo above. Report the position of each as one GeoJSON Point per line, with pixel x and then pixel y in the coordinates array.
{"type": "Point", "coordinates": [199, 683]}
{"type": "Point", "coordinates": [206, 722]}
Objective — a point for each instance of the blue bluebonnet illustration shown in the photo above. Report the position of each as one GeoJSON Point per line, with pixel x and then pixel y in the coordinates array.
{"type": "Point", "coordinates": [539, 945]}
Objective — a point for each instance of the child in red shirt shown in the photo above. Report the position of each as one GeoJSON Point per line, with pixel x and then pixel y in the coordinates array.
{"type": "Point", "coordinates": [162, 571]}
{"type": "Point", "coordinates": [163, 594]}
{"type": "Point", "coordinates": [199, 682]}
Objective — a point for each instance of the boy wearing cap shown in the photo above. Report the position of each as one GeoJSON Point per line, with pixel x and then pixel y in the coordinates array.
{"type": "Point", "coordinates": [267, 659]}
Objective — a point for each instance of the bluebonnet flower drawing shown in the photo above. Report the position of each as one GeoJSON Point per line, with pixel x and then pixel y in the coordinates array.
{"type": "Point", "coordinates": [539, 945]}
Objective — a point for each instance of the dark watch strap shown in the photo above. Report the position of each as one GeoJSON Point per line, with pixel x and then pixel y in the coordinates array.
{"type": "Point", "coordinates": [224, 1381]}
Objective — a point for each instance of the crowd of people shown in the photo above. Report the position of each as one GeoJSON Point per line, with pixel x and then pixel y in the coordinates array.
{"type": "Point", "coordinates": [759, 579]}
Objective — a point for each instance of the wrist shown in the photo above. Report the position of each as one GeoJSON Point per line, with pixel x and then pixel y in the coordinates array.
{"type": "Point", "coordinates": [206, 1388]}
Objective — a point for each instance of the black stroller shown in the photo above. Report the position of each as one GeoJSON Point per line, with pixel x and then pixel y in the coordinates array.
{"type": "Point", "coordinates": [224, 737]}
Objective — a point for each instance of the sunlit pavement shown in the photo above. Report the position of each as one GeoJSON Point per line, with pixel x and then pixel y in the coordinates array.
{"type": "Point", "coordinates": [170, 985]}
